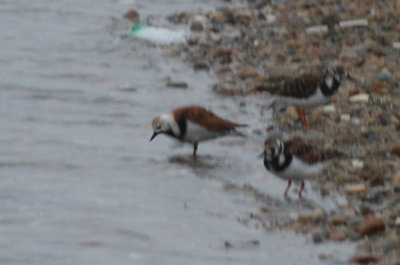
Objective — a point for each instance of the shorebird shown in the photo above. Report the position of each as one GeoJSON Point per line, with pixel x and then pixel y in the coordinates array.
{"type": "Point", "coordinates": [193, 124]}
{"type": "Point", "coordinates": [296, 160]}
{"type": "Point", "coordinates": [306, 91]}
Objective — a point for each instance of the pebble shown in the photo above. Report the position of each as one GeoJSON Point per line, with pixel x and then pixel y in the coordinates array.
{"type": "Point", "coordinates": [396, 178]}
{"type": "Point", "coordinates": [364, 258]}
{"type": "Point", "coordinates": [329, 108]}
{"type": "Point", "coordinates": [362, 97]}
{"type": "Point", "coordinates": [379, 87]}
{"type": "Point", "coordinates": [196, 26]}
{"type": "Point", "coordinates": [319, 236]}
{"type": "Point", "coordinates": [353, 23]}
{"type": "Point", "coordinates": [397, 222]}
{"type": "Point", "coordinates": [371, 225]}
{"type": "Point", "coordinates": [396, 45]}
{"type": "Point", "coordinates": [304, 218]}
{"type": "Point", "coordinates": [337, 236]}
{"type": "Point", "coordinates": [317, 29]}
{"type": "Point", "coordinates": [355, 188]}
{"type": "Point", "coordinates": [177, 84]}
{"type": "Point", "coordinates": [133, 16]}
{"type": "Point", "coordinates": [339, 220]}
{"type": "Point", "coordinates": [357, 164]}
{"type": "Point", "coordinates": [396, 150]}
{"type": "Point", "coordinates": [345, 117]}
{"type": "Point", "coordinates": [318, 213]}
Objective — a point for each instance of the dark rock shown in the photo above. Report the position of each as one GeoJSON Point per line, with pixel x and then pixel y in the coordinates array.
{"type": "Point", "coordinates": [364, 258]}
{"type": "Point", "coordinates": [319, 236]}
{"type": "Point", "coordinates": [133, 16]}
{"type": "Point", "coordinates": [396, 150]}
{"type": "Point", "coordinates": [201, 65]}
{"type": "Point", "coordinates": [371, 225]}
{"type": "Point", "coordinates": [196, 26]}
{"type": "Point", "coordinates": [177, 84]}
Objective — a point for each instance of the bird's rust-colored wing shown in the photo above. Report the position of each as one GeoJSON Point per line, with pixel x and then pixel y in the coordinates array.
{"type": "Point", "coordinates": [308, 153]}
{"type": "Point", "coordinates": [299, 87]}
{"type": "Point", "coordinates": [205, 118]}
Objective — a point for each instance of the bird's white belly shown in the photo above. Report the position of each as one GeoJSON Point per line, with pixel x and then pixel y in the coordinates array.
{"type": "Point", "coordinates": [314, 100]}
{"type": "Point", "coordinates": [298, 170]}
{"type": "Point", "coordinates": [196, 133]}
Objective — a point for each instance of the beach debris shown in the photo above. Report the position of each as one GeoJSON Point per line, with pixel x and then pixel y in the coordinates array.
{"type": "Point", "coordinates": [156, 35]}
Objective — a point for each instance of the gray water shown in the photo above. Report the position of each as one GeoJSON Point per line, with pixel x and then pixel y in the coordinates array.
{"type": "Point", "coordinates": [81, 184]}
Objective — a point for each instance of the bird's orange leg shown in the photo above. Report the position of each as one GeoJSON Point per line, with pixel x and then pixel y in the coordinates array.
{"type": "Point", "coordinates": [301, 189]}
{"type": "Point", "coordinates": [303, 117]}
{"type": "Point", "coordinates": [287, 188]}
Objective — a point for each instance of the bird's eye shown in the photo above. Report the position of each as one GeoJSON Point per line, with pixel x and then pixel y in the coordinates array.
{"type": "Point", "coordinates": [158, 127]}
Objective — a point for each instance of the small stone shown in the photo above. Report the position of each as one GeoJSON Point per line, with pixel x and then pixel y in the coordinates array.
{"type": "Point", "coordinates": [177, 84]}
{"type": "Point", "coordinates": [371, 225]}
{"type": "Point", "coordinates": [264, 209]}
{"type": "Point", "coordinates": [379, 87]}
{"type": "Point", "coordinates": [393, 119]}
{"type": "Point", "coordinates": [364, 258]}
{"type": "Point", "coordinates": [337, 236]}
{"type": "Point", "coordinates": [355, 121]}
{"type": "Point", "coordinates": [228, 244]}
{"type": "Point", "coordinates": [345, 117]}
{"type": "Point", "coordinates": [318, 213]}
{"type": "Point", "coordinates": [396, 178]}
{"type": "Point", "coordinates": [196, 26]}
{"type": "Point", "coordinates": [397, 222]}
{"type": "Point", "coordinates": [362, 97]}
{"type": "Point", "coordinates": [329, 108]}
{"type": "Point", "coordinates": [319, 236]}
{"type": "Point", "coordinates": [339, 220]}
{"type": "Point", "coordinates": [357, 164]}
{"type": "Point", "coordinates": [355, 188]}
{"type": "Point", "coordinates": [317, 29]}
{"type": "Point", "coordinates": [132, 16]}
{"type": "Point", "coordinates": [355, 221]}
{"type": "Point", "coordinates": [396, 45]}
{"type": "Point", "coordinates": [303, 218]}
{"type": "Point", "coordinates": [353, 23]}
{"type": "Point", "coordinates": [396, 150]}
{"type": "Point", "coordinates": [324, 256]}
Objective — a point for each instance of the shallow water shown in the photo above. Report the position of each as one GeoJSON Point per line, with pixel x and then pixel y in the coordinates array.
{"type": "Point", "coordinates": [81, 184]}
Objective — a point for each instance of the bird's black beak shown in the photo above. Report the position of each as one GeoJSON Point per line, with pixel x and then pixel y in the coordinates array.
{"type": "Point", "coordinates": [153, 136]}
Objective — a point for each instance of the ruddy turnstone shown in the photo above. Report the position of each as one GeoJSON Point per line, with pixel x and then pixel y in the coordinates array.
{"type": "Point", "coordinates": [306, 91]}
{"type": "Point", "coordinates": [193, 124]}
{"type": "Point", "coordinates": [295, 160]}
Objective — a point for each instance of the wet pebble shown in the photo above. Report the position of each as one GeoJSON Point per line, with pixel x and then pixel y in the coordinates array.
{"type": "Point", "coordinates": [362, 97]}
{"type": "Point", "coordinates": [353, 23]}
{"type": "Point", "coordinates": [329, 108]}
{"type": "Point", "coordinates": [177, 84]}
{"type": "Point", "coordinates": [364, 258]}
{"type": "Point", "coordinates": [196, 26]}
{"type": "Point", "coordinates": [396, 150]}
{"type": "Point", "coordinates": [319, 236]}
{"type": "Point", "coordinates": [133, 16]}
{"type": "Point", "coordinates": [371, 225]}
{"type": "Point", "coordinates": [357, 164]}
{"type": "Point", "coordinates": [355, 188]}
{"type": "Point", "coordinates": [396, 178]}
{"type": "Point", "coordinates": [339, 220]}
{"type": "Point", "coordinates": [337, 236]}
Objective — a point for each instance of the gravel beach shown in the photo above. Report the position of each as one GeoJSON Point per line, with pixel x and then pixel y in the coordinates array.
{"type": "Point", "coordinates": [249, 41]}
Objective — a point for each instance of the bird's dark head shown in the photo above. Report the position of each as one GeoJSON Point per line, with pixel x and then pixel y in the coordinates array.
{"type": "Point", "coordinates": [273, 148]}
